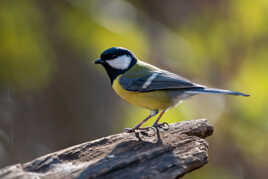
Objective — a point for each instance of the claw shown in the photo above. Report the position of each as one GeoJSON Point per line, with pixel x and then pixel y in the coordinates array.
{"type": "Point", "coordinates": [129, 130]}
{"type": "Point", "coordinates": [146, 131]}
{"type": "Point", "coordinates": [147, 134]}
{"type": "Point", "coordinates": [142, 130]}
{"type": "Point", "coordinates": [164, 126]}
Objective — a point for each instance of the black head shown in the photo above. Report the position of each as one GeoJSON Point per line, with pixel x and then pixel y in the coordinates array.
{"type": "Point", "coordinates": [116, 61]}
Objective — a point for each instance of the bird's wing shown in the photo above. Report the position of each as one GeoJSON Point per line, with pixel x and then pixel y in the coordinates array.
{"type": "Point", "coordinates": [155, 79]}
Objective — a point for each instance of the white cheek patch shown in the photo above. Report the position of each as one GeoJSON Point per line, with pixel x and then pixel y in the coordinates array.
{"type": "Point", "coordinates": [120, 63]}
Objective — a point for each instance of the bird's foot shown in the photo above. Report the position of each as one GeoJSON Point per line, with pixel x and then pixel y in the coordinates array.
{"type": "Point", "coordinates": [164, 125]}
{"type": "Point", "coordinates": [131, 130]}
{"type": "Point", "coordinates": [146, 131]}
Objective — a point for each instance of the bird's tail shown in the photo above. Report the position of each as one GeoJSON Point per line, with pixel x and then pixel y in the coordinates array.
{"type": "Point", "coordinates": [215, 91]}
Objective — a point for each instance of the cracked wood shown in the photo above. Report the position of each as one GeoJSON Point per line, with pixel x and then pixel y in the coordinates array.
{"type": "Point", "coordinates": [168, 154]}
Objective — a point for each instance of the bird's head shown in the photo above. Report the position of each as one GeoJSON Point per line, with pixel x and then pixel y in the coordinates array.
{"type": "Point", "coordinates": [116, 61]}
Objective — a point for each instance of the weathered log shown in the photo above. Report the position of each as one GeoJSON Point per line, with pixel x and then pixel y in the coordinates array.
{"type": "Point", "coordinates": [168, 154]}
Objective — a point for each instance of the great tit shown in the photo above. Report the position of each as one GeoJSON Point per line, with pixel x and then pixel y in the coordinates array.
{"type": "Point", "coordinates": [147, 86]}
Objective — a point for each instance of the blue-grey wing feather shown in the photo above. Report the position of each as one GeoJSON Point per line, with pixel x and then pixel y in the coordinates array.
{"type": "Point", "coordinates": [163, 80]}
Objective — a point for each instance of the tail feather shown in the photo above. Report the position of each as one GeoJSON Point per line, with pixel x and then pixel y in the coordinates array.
{"type": "Point", "coordinates": [215, 91]}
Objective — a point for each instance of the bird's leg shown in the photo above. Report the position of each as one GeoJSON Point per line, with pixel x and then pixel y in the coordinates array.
{"type": "Point", "coordinates": [158, 118]}
{"type": "Point", "coordinates": [153, 113]}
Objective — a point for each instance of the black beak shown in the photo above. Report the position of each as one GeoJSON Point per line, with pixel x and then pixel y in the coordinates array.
{"type": "Point", "coordinates": [99, 61]}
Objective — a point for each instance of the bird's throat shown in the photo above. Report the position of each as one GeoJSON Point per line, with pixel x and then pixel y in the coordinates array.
{"type": "Point", "coordinates": [113, 73]}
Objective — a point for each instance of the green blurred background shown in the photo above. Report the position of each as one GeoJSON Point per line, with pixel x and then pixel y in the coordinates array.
{"type": "Point", "coordinates": [52, 96]}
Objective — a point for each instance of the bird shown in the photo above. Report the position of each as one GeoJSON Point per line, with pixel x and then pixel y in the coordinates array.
{"type": "Point", "coordinates": [148, 86]}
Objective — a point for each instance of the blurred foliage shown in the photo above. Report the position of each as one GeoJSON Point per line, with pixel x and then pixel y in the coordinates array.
{"type": "Point", "coordinates": [26, 57]}
{"type": "Point", "coordinates": [46, 50]}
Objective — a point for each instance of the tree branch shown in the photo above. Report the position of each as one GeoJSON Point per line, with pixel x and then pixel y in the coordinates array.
{"type": "Point", "coordinates": [167, 154]}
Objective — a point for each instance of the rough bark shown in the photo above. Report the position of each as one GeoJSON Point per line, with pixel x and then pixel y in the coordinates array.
{"type": "Point", "coordinates": [168, 154]}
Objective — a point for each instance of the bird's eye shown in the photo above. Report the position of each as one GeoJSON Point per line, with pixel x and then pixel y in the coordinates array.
{"type": "Point", "coordinates": [113, 56]}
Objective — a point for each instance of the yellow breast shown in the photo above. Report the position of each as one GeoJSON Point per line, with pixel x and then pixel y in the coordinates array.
{"type": "Point", "coordinates": [150, 100]}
